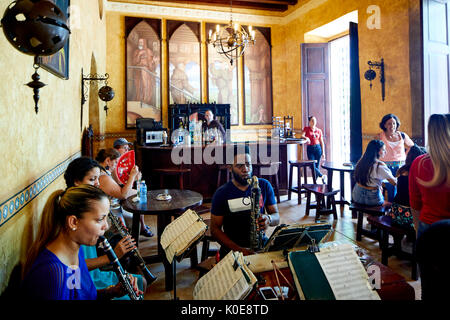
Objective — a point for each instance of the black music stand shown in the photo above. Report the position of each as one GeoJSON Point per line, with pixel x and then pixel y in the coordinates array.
{"type": "Point", "coordinates": [286, 237]}
{"type": "Point", "coordinates": [186, 253]}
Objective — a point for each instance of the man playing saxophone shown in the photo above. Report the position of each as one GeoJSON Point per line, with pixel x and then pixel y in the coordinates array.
{"type": "Point", "coordinates": [231, 209]}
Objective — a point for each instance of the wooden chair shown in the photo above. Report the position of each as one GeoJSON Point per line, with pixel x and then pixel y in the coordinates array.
{"type": "Point", "coordinates": [272, 175]}
{"type": "Point", "coordinates": [172, 172]}
{"type": "Point", "coordinates": [207, 238]}
{"type": "Point", "coordinates": [359, 210]}
{"type": "Point", "coordinates": [223, 169]}
{"type": "Point", "coordinates": [385, 228]}
{"type": "Point", "coordinates": [321, 192]}
{"type": "Point", "coordinates": [305, 164]}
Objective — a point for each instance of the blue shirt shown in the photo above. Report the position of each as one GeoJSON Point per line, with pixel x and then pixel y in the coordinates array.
{"type": "Point", "coordinates": [235, 207]}
{"type": "Point", "coordinates": [50, 279]}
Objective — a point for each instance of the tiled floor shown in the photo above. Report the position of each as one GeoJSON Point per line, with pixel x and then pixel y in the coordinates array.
{"type": "Point", "coordinates": [290, 212]}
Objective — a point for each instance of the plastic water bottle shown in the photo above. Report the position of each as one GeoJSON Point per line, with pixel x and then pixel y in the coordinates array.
{"type": "Point", "coordinates": [143, 192]}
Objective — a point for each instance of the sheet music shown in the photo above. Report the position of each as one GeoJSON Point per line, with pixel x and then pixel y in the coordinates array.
{"type": "Point", "coordinates": [223, 282]}
{"type": "Point", "coordinates": [345, 273]}
{"type": "Point", "coordinates": [177, 227]}
{"type": "Point", "coordinates": [261, 262]}
{"type": "Point", "coordinates": [181, 233]}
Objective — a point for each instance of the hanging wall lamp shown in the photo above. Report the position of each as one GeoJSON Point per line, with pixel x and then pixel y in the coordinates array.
{"type": "Point", "coordinates": [105, 93]}
{"type": "Point", "coordinates": [371, 75]}
{"type": "Point", "coordinates": [37, 28]}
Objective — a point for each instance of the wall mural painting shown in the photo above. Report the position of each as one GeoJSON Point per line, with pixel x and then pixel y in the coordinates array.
{"type": "Point", "coordinates": [258, 81]}
{"type": "Point", "coordinates": [184, 67]}
{"type": "Point", "coordinates": [222, 82]}
{"type": "Point", "coordinates": [143, 74]}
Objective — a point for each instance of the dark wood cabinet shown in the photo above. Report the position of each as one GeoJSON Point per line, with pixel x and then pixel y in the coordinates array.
{"type": "Point", "coordinates": [183, 111]}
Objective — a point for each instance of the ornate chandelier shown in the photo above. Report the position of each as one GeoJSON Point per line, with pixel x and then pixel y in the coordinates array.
{"type": "Point", "coordinates": [231, 40]}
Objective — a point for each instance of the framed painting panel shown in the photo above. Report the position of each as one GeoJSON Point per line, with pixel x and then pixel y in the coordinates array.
{"type": "Point", "coordinates": [58, 63]}
{"type": "Point", "coordinates": [223, 81]}
{"type": "Point", "coordinates": [143, 70]}
{"type": "Point", "coordinates": [258, 106]}
{"type": "Point", "coordinates": [184, 63]}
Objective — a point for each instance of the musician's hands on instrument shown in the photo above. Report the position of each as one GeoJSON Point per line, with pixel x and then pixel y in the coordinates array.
{"type": "Point", "coordinates": [119, 290]}
{"type": "Point", "coordinates": [263, 222]}
{"type": "Point", "coordinates": [125, 245]}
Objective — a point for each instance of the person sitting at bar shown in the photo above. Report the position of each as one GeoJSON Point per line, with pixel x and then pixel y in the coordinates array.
{"type": "Point", "coordinates": [370, 173]}
{"type": "Point", "coordinates": [231, 207]}
{"type": "Point", "coordinates": [211, 123]}
{"type": "Point", "coordinates": [108, 160]}
{"type": "Point", "coordinates": [84, 170]}
{"type": "Point", "coordinates": [55, 268]}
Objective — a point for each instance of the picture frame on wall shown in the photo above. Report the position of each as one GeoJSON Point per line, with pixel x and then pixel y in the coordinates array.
{"type": "Point", "coordinates": [58, 63]}
{"type": "Point", "coordinates": [143, 70]}
{"type": "Point", "coordinates": [258, 100]}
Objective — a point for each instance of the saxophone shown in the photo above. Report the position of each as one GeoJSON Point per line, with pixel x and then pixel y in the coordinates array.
{"type": "Point", "coordinates": [149, 277]}
{"type": "Point", "coordinates": [120, 272]}
{"type": "Point", "coordinates": [256, 237]}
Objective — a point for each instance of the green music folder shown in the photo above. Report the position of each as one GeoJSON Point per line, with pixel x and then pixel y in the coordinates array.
{"type": "Point", "coordinates": [309, 278]}
{"type": "Point", "coordinates": [333, 273]}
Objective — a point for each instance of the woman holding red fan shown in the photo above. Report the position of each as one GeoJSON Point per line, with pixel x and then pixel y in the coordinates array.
{"type": "Point", "coordinates": [108, 158]}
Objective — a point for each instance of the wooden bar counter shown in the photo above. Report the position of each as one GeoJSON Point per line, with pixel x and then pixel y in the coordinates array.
{"type": "Point", "coordinates": [204, 161]}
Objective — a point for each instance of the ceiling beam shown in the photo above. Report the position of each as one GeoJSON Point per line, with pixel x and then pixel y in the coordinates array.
{"type": "Point", "coordinates": [271, 5]}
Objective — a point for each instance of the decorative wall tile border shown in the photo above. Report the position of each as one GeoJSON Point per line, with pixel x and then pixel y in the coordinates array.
{"type": "Point", "coordinates": [17, 202]}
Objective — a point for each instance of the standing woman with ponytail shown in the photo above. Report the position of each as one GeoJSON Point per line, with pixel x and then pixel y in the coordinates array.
{"type": "Point", "coordinates": [55, 268]}
{"type": "Point", "coordinates": [429, 176]}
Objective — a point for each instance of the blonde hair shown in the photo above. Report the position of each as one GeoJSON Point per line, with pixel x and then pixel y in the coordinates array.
{"type": "Point", "coordinates": [74, 201]}
{"type": "Point", "coordinates": [438, 149]}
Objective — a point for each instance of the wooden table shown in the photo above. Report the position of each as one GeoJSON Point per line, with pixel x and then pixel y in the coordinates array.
{"type": "Point", "coordinates": [338, 166]}
{"type": "Point", "coordinates": [393, 286]}
{"type": "Point", "coordinates": [181, 201]}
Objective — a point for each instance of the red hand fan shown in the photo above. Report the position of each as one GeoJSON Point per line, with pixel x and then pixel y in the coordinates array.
{"type": "Point", "coordinates": [124, 166]}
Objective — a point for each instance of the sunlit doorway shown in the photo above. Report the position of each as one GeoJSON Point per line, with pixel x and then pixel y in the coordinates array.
{"type": "Point", "coordinates": [340, 99]}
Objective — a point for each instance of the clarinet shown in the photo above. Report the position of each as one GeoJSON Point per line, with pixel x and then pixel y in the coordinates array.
{"type": "Point", "coordinates": [120, 272]}
{"type": "Point", "coordinates": [134, 253]}
{"type": "Point", "coordinates": [256, 237]}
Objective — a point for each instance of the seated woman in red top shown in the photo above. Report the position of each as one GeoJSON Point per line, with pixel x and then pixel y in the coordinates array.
{"type": "Point", "coordinates": [429, 176]}
{"type": "Point", "coordinates": [315, 148]}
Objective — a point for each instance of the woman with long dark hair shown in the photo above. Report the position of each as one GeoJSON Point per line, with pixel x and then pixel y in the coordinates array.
{"type": "Point", "coordinates": [369, 174]}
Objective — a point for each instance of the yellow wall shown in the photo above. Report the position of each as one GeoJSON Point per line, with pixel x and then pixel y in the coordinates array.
{"type": "Point", "coordinates": [391, 42]}
{"type": "Point", "coordinates": [32, 144]}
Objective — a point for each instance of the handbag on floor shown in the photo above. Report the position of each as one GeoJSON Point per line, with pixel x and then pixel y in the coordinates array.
{"type": "Point", "coordinates": [402, 216]}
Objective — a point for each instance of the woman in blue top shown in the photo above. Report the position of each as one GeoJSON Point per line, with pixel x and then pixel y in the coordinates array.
{"type": "Point", "coordinates": [84, 170]}
{"type": "Point", "coordinates": [55, 268]}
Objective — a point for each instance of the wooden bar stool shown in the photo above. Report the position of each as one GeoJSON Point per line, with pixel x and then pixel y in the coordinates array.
{"type": "Point", "coordinates": [321, 191]}
{"type": "Point", "coordinates": [172, 172]}
{"type": "Point", "coordinates": [223, 169]}
{"type": "Point", "coordinates": [305, 164]}
{"type": "Point", "coordinates": [385, 228]}
{"type": "Point", "coordinates": [272, 175]}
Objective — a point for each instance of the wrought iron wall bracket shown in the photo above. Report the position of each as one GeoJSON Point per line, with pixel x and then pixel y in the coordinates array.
{"type": "Point", "coordinates": [370, 75]}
